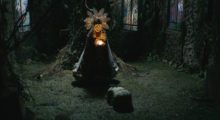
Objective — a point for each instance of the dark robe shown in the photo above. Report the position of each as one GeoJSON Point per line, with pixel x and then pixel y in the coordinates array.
{"type": "Point", "coordinates": [96, 62]}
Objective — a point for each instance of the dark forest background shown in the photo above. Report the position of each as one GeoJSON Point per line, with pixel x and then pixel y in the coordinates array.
{"type": "Point", "coordinates": [58, 35]}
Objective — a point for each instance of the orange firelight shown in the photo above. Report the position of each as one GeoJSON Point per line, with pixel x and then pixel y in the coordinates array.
{"type": "Point", "coordinates": [99, 35]}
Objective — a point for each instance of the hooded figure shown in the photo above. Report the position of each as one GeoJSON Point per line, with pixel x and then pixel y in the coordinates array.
{"type": "Point", "coordinates": [96, 62]}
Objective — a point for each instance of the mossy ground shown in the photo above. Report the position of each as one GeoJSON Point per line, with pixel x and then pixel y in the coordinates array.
{"type": "Point", "coordinates": [159, 92]}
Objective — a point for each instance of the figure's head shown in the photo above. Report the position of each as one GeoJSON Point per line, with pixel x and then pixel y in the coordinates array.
{"type": "Point", "coordinates": [98, 21]}
{"type": "Point", "coordinates": [96, 17]}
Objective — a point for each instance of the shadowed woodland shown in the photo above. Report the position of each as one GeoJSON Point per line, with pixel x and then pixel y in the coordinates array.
{"type": "Point", "coordinates": [167, 51]}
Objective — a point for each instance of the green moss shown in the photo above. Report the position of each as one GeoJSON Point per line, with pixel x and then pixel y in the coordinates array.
{"type": "Point", "coordinates": [159, 92]}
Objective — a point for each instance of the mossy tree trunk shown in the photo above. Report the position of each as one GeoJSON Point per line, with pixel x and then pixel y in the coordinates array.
{"type": "Point", "coordinates": [9, 87]}
{"type": "Point", "coordinates": [213, 75]}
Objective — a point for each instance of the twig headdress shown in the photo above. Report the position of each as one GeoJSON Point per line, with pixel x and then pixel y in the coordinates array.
{"type": "Point", "coordinates": [95, 16]}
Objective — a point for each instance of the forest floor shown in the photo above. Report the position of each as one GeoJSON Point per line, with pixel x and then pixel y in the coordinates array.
{"type": "Point", "coordinates": [159, 92]}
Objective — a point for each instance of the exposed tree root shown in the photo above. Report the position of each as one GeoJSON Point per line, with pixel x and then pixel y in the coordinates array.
{"type": "Point", "coordinates": [66, 60]}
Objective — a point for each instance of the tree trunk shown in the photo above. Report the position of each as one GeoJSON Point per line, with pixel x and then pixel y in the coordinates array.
{"type": "Point", "coordinates": [213, 75]}
{"type": "Point", "coordinates": [9, 92]}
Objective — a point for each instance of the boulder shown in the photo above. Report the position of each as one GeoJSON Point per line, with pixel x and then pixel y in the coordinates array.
{"type": "Point", "coordinates": [120, 99]}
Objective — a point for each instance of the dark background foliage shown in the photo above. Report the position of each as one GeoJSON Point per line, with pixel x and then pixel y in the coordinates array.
{"type": "Point", "coordinates": [58, 34]}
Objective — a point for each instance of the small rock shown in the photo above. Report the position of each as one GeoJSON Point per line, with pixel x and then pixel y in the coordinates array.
{"type": "Point", "coordinates": [29, 61]}
{"type": "Point", "coordinates": [134, 74]}
{"type": "Point", "coordinates": [180, 70]}
{"type": "Point", "coordinates": [164, 61]}
{"type": "Point", "coordinates": [120, 99]}
{"type": "Point", "coordinates": [170, 63]}
{"type": "Point", "coordinates": [175, 65]}
{"type": "Point", "coordinates": [180, 66]}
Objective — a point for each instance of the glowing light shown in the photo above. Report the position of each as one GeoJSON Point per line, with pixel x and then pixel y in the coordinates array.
{"type": "Point", "coordinates": [99, 43]}
{"type": "Point", "coordinates": [99, 35]}
{"type": "Point", "coordinates": [97, 23]}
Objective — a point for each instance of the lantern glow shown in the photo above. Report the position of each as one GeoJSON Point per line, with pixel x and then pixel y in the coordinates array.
{"type": "Point", "coordinates": [99, 43]}
{"type": "Point", "coordinates": [99, 35]}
